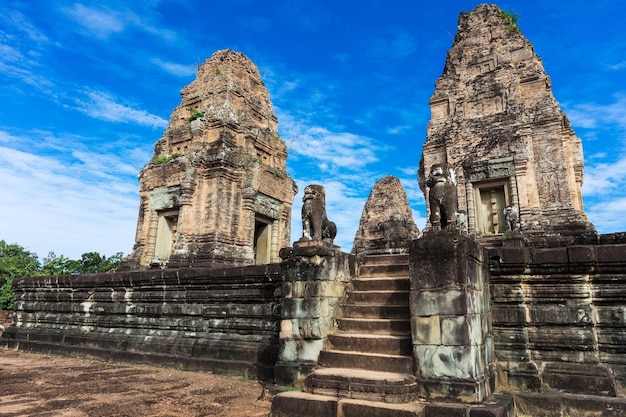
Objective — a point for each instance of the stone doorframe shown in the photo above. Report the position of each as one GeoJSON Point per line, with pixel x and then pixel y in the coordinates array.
{"type": "Point", "coordinates": [503, 169]}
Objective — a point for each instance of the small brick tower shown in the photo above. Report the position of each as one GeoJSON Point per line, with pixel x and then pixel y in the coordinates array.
{"type": "Point", "coordinates": [216, 192]}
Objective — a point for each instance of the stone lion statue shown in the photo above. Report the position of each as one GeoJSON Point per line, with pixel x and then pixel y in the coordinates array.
{"type": "Point", "coordinates": [511, 216]}
{"type": "Point", "coordinates": [442, 197]}
{"type": "Point", "coordinates": [315, 224]}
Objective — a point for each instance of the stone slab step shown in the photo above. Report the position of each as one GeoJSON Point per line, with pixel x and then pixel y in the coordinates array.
{"type": "Point", "coordinates": [382, 284]}
{"type": "Point", "coordinates": [374, 326]}
{"type": "Point", "coordinates": [298, 404]}
{"type": "Point", "coordinates": [370, 361]}
{"type": "Point", "coordinates": [372, 343]}
{"type": "Point", "coordinates": [363, 384]}
{"type": "Point", "coordinates": [392, 270]}
{"type": "Point", "coordinates": [551, 403]}
{"type": "Point", "coordinates": [375, 311]}
{"type": "Point", "coordinates": [392, 259]}
{"type": "Point", "coordinates": [378, 297]}
{"type": "Point", "coordinates": [361, 408]}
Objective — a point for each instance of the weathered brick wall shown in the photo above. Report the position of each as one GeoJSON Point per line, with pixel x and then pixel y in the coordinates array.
{"type": "Point", "coordinates": [559, 318]}
{"type": "Point", "coordinates": [222, 320]}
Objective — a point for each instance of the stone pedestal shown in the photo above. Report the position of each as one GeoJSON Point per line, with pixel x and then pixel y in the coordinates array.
{"type": "Point", "coordinates": [314, 277]}
{"type": "Point", "coordinates": [450, 322]}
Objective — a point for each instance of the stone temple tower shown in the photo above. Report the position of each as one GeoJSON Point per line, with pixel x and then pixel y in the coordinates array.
{"type": "Point", "coordinates": [495, 120]}
{"type": "Point", "coordinates": [216, 192]}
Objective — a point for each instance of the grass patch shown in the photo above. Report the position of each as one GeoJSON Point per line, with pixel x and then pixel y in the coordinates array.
{"type": "Point", "coordinates": [511, 20]}
{"type": "Point", "coordinates": [194, 114]}
{"type": "Point", "coordinates": [164, 158]}
{"type": "Point", "coordinates": [286, 388]}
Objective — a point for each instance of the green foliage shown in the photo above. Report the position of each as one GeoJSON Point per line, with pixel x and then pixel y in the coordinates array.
{"type": "Point", "coordinates": [89, 263]}
{"type": "Point", "coordinates": [511, 20]}
{"type": "Point", "coordinates": [285, 388]}
{"type": "Point", "coordinates": [17, 262]}
{"type": "Point", "coordinates": [217, 71]}
{"type": "Point", "coordinates": [195, 114]}
{"type": "Point", "coordinates": [165, 158]}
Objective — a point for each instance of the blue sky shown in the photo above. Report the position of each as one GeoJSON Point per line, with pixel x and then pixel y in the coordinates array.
{"type": "Point", "coordinates": [87, 87]}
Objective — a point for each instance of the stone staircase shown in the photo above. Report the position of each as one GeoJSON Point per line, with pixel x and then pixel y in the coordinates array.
{"type": "Point", "coordinates": [369, 357]}
{"type": "Point", "coordinates": [367, 366]}
{"type": "Point", "coordinates": [366, 369]}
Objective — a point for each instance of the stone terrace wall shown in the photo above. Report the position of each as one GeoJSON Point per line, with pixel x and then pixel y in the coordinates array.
{"type": "Point", "coordinates": [222, 320]}
{"type": "Point", "coordinates": [559, 318]}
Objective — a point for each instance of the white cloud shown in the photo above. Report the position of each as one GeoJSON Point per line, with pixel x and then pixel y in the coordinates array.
{"type": "Point", "coordinates": [606, 215]}
{"type": "Point", "coordinates": [618, 67]}
{"type": "Point", "coordinates": [100, 22]}
{"type": "Point", "coordinates": [604, 195]}
{"type": "Point", "coordinates": [179, 70]}
{"type": "Point", "coordinates": [103, 106]}
{"type": "Point", "coordinates": [596, 115]}
{"type": "Point", "coordinates": [53, 204]}
{"type": "Point", "coordinates": [330, 150]}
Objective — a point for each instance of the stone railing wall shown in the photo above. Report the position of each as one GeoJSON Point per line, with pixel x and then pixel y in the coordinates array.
{"type": "Point", "coordinates": [222, 320]}
{"type": "Point", "coordinates": [450, 326]}
{"type": "Point", "coordinates": [559, 318]}
{"type": "Point", "coordinates": [314, 284]}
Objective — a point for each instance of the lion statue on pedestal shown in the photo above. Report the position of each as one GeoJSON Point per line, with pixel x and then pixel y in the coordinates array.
{"type": "Point", "coordinates": [315, 224]}
{"type": "Point", "coordinates": [442, 197]}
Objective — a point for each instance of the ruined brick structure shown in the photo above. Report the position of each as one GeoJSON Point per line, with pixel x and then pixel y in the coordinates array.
{"type": "Point", "coordinates": [216, 192]}
{"type": "Point", "coordinates": [386, 224]}
{"type": "Point", "coordinates": [495, 120]}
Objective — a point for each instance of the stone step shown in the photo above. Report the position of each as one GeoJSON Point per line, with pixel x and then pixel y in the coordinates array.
{"type": "Point", "coordinates": [372, 343]}
{"type": "Point", "coordinates": [392, 270]}
{"type": "Point", "coordinates": [298, 404]}
{"type": "Point", "coordinates": [363, 384]}
{"type": "Point", "coordinates": [370, 361]}
{"type": "Point", "coordinates": [378, 297]}
{"type": "Point", "coordinates": [374, 326]}
{"type": "Point", "coordinates": [392, 259]}
{"type": "Point", "coordinates": [381, 284]}
{"type": "Point", "coordinates": [375, 311]}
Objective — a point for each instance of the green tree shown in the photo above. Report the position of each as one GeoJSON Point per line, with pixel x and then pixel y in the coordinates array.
{"type": "Point", "coordinates": [58, 265]}
{"type": "Point", "coordinates": [93, 262]}
{"type": "Point", "coordinates": [15, 262]}
{"type": "Point", "coordinates": [89, 263]}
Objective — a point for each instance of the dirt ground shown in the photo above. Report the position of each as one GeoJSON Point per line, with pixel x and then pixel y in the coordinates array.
{"type": "Point", "coordinates": [47, 385]}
